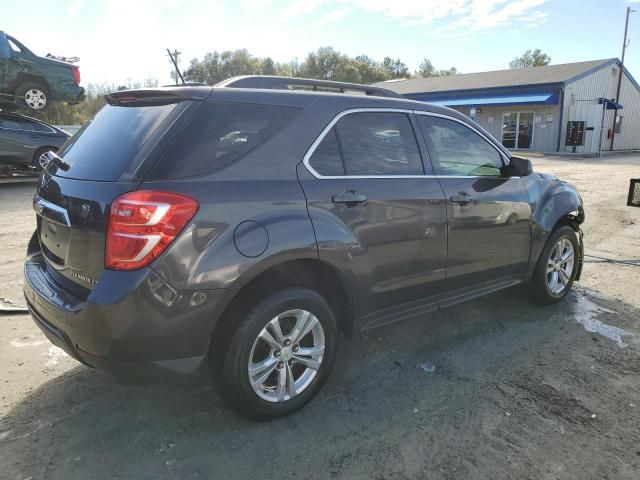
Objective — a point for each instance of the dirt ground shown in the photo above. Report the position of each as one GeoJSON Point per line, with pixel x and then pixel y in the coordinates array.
{"type": "Point", "coordinates": [519, 391]}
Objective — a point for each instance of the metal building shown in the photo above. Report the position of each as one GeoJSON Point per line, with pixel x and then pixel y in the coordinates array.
{"type": "Point", "coordinates": [556, 108]}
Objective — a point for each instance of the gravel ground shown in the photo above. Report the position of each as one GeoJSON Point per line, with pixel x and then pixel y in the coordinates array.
{"type": "Point", "coordinates": [519, 391]}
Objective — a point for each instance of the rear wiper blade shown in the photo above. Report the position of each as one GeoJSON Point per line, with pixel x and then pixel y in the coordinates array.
{"type": "Point", "coordinates": [57, 161]}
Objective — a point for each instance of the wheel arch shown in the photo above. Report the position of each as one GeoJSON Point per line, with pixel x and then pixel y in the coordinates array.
{"type": "Point", "coordinates": [559, 205]}
{"type": "Point", "coordinates": [310, 273]}
{"type": "Point", "coordinates": [23, 78]}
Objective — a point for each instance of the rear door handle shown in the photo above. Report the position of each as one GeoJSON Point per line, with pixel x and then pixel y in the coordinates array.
{"type": "Point", "coordinates": [463, 199]}
{"type": "Point", "coordinates": [349, 198]}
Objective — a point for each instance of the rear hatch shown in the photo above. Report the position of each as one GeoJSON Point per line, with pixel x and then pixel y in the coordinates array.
{"type": "Point", "coordinates": [107, 158]}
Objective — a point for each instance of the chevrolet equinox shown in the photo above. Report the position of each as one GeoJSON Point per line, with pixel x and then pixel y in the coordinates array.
{"type": "Point", "coordinates": [237, 229]}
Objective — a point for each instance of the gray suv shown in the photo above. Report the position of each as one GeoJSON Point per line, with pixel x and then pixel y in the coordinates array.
{"type": "Point", "coordinates": [242, 227]}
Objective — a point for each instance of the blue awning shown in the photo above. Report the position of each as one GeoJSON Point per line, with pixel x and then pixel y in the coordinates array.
{"type": "Point", "coordinates": [611, 105]}
{"type": "Point", "coordinates": [523, 99]}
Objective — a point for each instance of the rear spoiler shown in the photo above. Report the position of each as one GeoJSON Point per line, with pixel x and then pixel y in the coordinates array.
{"type": "Point", "coordinates": [269, 82]}
{"type": "Point", "coordinates": [157, 96]}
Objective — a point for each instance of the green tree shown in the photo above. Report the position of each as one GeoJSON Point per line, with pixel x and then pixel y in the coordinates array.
{"type": "Point", "coordinates": [395, 68]}
{"type": "Point", "coordinates": [267, 66]}
{"type": "Point", "coordinates": [530, 59]}
{"type": "Point", "coordinates": [325, 64]}
{"type": "Point", "coordinates": [215, 67]}
{"type": "Point", "coordinates": [426, 69]}
{"type": "Point", "coordinates": [370, 71]}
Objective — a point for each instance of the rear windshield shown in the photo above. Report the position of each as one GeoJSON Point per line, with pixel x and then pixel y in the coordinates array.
{"type": "Point", "coordinates": [107, 146]}
{"type": "Point", "coordinates": [219, 134]}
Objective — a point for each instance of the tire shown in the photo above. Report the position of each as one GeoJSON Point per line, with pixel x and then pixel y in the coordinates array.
{"type": "Point", "coordinates": [33, 95]}
{"type": "Point", "coordinates": [267, 400]}
{"type": "Point", "coordinates": [564, 239]}
{"type": "Point", "coordinates": [38, 162]}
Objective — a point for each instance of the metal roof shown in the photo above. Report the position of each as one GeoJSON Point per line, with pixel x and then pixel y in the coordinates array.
{"type": "Point", "coordinates": [499, 78]}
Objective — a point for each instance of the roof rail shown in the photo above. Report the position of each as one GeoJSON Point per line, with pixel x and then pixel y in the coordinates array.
{"type": "Point", "coordinates": [270, 82]}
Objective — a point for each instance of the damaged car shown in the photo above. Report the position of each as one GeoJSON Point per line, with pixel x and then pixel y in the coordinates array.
{"type": "Point", "coordinates": [240, 228]}
{"type": "Point", "coordinates": [35, 82]}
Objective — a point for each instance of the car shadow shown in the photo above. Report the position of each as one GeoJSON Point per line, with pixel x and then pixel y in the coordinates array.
{"type": "Point", "coordinates": [82, 425]}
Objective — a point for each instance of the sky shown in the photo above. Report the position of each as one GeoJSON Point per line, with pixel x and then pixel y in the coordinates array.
{"type": "Point", "coordinates": [120, 41]}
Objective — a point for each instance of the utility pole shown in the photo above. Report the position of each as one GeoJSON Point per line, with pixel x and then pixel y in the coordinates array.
{"type": "Point", "coordinates": [625, 44]}
{"type": "Point", "coordinates": [174, 59]}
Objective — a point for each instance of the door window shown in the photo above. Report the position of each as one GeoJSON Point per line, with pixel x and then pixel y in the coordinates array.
{"type": "Point", "coordinates": [17, 123]}
{"type": "Point", "coordinates": [10, 123]}
{"type": "Point", "coordinates": [326, 159]}
{"type": "Point", "coordinates": [369, 144]}
{"type": "Point", "coordinates": [517, 130]}
{"type": "Point", "coordinates": [457, 150]}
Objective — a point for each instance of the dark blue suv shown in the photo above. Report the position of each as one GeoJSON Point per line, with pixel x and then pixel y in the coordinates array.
{"type": "Point", "coordinates": [242, 227]}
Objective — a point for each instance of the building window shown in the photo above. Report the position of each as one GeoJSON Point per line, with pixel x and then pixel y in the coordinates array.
{"type": "Point", "coordinates": [618, 125]}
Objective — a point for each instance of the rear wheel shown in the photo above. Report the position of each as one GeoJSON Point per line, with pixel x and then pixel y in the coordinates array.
{"type": "Point", "coordinates": [557, 267]}
{"type": "Point", "coordinates": [33, 95]}
{"type": "Point", "coordinates": [41, 159]}
{"type": "Point", "coordinates": [280, 354]}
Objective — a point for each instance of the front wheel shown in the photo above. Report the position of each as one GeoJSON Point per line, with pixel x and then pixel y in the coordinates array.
{"type": "Point", "coordinates": [557, 266]}
{"type": "Point", "coordinates": [280, 354]}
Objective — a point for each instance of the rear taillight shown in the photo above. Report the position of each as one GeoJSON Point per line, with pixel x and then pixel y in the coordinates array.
{"type": "Point", "coordinates": [142, 224]}
{"type": "Point", "coordinates": [76, 75]}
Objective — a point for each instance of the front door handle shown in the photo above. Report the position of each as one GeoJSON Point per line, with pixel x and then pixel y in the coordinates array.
{"type": "Point", "coordinates": [349, 198]}
{"type": "Point", "coordinates": [463, 198]}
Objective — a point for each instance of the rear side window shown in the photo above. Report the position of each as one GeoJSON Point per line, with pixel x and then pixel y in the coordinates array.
{"type": "Point", "coordinates": [10, 123]}
{"type": "Point", "coordinates": [107, 147]}
{"type": "Point", "coordinates": [17, 123]}
{"type": "Point", "coordinates": [369, 144]}
{"type": "Point", "coordinates": [219, 134]}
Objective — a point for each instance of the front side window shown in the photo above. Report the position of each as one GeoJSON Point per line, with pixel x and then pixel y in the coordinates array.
{"type": "Point", "coordinates": [369, 144]}
{"type": "Point", "coordinates": [457, 150]}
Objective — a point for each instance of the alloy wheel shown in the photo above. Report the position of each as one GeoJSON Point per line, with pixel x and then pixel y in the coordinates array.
{"type": "Point", "coordinates": [43, 160]}
{"type": "Point", "coordinates": [35, 99]}
{"type": "Point", "coordinates": [560, 266]}
{"type": "Point", "coordinates": [286, 355]}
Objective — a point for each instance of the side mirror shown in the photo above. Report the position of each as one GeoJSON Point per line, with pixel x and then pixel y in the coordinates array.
{"type": "Point", "coordinates": [519, 167]}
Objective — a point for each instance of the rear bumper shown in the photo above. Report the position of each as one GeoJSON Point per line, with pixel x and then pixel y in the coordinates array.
{"type": "Point", "coordinates": [68, 92]}
{"type": "Point", "coordinates": [128, 326]}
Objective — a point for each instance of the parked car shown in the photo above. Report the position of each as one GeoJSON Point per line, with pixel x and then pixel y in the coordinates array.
{"type": "Point", "coordinates": [35, 81]}
{"type": "Point", "coordinates": [25, 141]}
{"type": "Point", "coordinates": [162, 246]}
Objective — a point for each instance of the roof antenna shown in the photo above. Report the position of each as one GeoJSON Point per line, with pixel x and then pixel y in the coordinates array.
{"type": "Point", "coordinates": [174, 59]}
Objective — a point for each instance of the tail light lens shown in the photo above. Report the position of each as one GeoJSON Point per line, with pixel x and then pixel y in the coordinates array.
{"type": "Point", "coordinates": [76, 75]}
{"type": "Point", "coordinates": [143, 224]}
